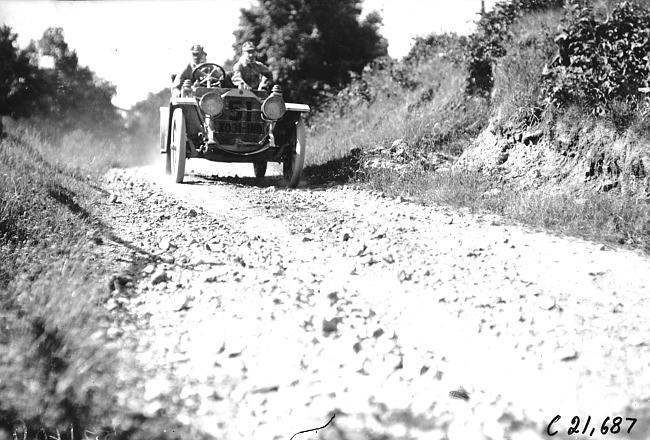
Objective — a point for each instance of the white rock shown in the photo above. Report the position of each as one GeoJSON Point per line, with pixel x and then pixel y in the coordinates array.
{"type": "Point", "coordinates": [113, 333]}
{"type": "Point", "coordinates": [165, 243]}
{"type": "Point", "coordinates": [156, 388]}
{"type": "Point", "coordinates": [149, 269]}
{"type": "Point", "coordinates": [168, 259]}
{"type": "Point", "coordinates": [356, 248]}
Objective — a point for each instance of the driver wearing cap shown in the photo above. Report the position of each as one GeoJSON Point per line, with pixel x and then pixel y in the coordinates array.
{"type": "Point", "coordinates": [198, 57]}
{"type": "Point", "coordinates": [247, 71]}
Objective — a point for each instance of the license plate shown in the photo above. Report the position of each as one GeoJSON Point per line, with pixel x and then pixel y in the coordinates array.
{"type": "Point", "coordinates": [240, 127]}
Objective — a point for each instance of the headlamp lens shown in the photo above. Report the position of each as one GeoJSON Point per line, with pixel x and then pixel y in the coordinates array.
{"type": "Point", "coordinates": [273, 108]}
{"type": "Point", "coordinates": [211, 103]}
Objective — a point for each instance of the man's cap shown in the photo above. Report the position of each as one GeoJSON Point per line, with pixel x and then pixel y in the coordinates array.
{"type": "Point", "coordinates": [197, 48]}
{"type": "Point", "coordinates": [248, 46]}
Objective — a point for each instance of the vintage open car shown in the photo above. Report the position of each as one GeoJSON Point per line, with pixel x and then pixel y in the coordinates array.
{"type": "Point", "coordinates": [214, 120]}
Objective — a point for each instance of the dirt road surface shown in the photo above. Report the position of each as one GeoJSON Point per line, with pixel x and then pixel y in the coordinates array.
{"type": "Point", "coordinates": [257, 312]}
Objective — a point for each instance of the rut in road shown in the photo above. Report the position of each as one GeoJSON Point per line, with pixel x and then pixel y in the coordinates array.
{"type": "Point", "coordinates": [262, 312]}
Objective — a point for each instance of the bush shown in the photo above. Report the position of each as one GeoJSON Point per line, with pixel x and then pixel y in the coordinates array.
{"type": "Point", "coordinates": [601, 62]}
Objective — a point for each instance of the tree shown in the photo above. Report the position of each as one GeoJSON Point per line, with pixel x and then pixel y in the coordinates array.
{"type": "Point", "coordinates": [18, 78]}
{"type": "Point", "coordinates": [311, 45]}
{"type": "Point", "coordinates": [143, 118]}
{"type": "Point", "coordinates": [74, 97]}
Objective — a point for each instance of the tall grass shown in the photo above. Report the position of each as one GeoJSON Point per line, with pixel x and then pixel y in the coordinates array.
{"type": "Point", "coordinates": [516, 97]}
{"type": "Point", "coordinates": [57, 369]}
{"type": "Point", "coordinates": [48, 307]}
{"type": "Point", "coordinates": [431, 112]}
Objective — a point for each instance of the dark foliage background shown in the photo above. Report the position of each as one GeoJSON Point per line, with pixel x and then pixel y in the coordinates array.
{"type": "Point", "coordinates": [311, 46]}
{"type": "Point", "coordinates": [601, 60]}
{"type": "Point", "coordinates": [64, 97]}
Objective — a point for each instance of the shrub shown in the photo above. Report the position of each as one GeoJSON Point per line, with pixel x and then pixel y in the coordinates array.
{"type": "Point", "coordinates": [601, 62]}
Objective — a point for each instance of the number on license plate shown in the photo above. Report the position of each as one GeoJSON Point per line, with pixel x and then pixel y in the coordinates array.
{"type": "Point", "coordinates": [240, 127]}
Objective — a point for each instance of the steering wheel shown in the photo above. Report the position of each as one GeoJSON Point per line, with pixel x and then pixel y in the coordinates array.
{"type": "Point", "coordinates": [204, 73]}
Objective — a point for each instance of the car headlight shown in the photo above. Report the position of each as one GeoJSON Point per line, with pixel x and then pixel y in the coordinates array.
{"type": "Point", "coordinates": [273, 107]}
{"type": "Point", "coordinates": [211, 103]}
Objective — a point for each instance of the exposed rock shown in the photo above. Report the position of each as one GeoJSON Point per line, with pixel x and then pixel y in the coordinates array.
{"type": "Point", "coordinates": [159, 277]}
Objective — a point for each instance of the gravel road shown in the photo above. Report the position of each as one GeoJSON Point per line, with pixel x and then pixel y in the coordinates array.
{"type": "Point", "coordinates": [257, 312]}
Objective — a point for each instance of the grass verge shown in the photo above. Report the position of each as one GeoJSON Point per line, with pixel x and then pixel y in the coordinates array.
{"type": "Point", "coordinates": [610, 218]}
{"type": "Point", "coordinates": [58, 367]}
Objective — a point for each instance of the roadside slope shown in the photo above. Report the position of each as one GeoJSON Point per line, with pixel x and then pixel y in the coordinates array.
{"type": "Point", "coordinates": [263, 311]}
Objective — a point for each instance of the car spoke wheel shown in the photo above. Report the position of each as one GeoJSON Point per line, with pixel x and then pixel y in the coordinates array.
{"type": "Point", "coordinates": [294, 160]}
{"type": "Point", "coordinates": [178, 146]}
{"type": "Point", "coordinates": [260, 169]}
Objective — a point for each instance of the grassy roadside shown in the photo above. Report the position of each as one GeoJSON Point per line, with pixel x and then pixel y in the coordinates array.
{"type": "Point", "coordinates": [607, 218]}
{"type": "Point", "coordinates": [401, 126]}
{"type": "Point", "coordinates": [58, 368]}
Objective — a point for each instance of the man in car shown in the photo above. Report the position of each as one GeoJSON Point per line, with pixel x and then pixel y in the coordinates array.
{"type": "Point", "coordinates": [198, 57]}
{"type": "Point", "coordinates": [247, 71]}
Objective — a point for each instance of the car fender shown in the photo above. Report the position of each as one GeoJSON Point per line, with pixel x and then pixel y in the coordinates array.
{"type": "Point", "coordinates": [293, 107]}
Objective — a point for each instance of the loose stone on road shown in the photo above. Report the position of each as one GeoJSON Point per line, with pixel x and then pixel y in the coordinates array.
{"type": "Point", "coordinates": [259, 312]}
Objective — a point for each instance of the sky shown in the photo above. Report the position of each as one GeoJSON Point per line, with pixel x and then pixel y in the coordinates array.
{"type": "Point", "coordinates": [137, 45]}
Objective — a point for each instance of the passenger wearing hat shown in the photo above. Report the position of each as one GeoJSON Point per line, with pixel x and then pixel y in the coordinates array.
{"type": "Point", "coordinates": [198, 57]}
{"type": "Point", "coordinates": [247, 71]}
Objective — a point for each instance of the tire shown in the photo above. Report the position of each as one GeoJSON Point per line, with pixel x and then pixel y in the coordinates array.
{"type": "Point", "coordinates": [164, 126]}
{"type": "Point", "coordinates": [294, 161]}
{"type": "Point", "coordinates": [178, 146]}
{"type": "Point", "coordinates": [260, 169]}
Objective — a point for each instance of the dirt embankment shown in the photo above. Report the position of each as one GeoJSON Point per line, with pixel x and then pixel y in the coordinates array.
{"type": "Point", "coordinates": [565, 155]}
{"type": "Point", "coordinates": [258, 312]}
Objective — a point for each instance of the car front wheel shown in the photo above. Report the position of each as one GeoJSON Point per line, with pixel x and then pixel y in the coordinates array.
{"type": "Point", "coordinates": [178, 146]}
{"type": "Point", "coordinates": [294, 160]}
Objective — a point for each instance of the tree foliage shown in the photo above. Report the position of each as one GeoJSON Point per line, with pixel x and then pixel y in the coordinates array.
{"type": "Point", "coordinates": [311, 45]}
{"type": "Point", "coordinates": [65, 97]}
{"type": "Point", "coordinates": [18, 77]}
{"type": "Point", "coordinates": [600, 60]}
{"type": "Point", "coordinates": [75, 97]}
{"type": "Point", "coordinates": [143, 118]}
